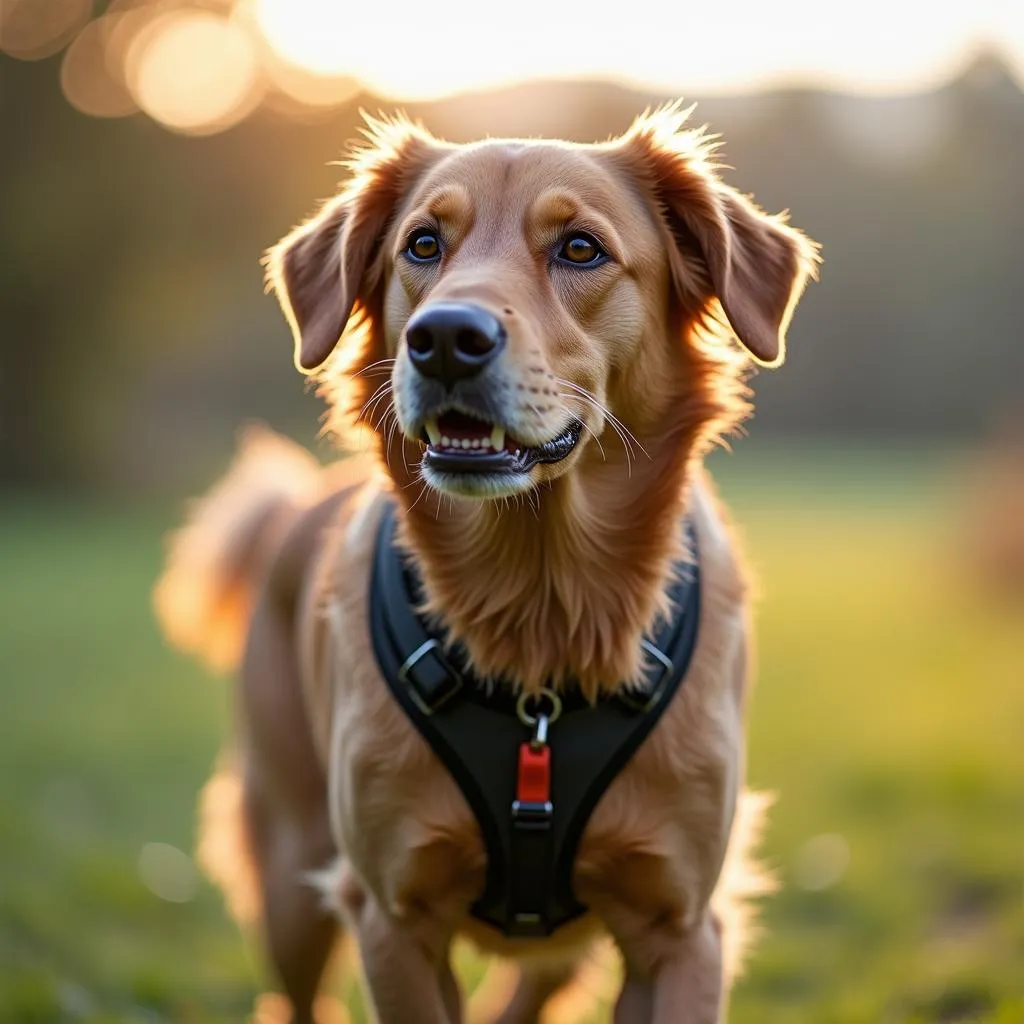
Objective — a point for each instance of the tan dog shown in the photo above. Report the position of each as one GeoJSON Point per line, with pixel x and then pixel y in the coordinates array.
{"type": "Point", "coordinates": [568, 314]}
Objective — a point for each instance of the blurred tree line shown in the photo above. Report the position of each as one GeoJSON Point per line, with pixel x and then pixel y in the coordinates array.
{"type": "Point", "coordinates": [134, 332]}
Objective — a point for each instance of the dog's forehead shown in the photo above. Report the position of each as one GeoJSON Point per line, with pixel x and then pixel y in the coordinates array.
{"type": "Point", "coordinates": [513, 175]}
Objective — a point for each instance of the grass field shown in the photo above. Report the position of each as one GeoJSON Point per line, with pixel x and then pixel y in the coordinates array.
{"type": "Point", "coordinates": [888, 717]}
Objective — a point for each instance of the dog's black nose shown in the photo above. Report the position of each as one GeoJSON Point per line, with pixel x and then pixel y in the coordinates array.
{"type": "Point", "coordinates": [450, 341]}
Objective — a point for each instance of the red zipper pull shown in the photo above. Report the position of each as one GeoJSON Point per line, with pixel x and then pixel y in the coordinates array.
{"type": "Point", "coordinates": [534, 779]}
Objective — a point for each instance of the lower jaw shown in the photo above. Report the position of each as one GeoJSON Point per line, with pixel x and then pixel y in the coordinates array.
{"type": "Point", "coordinates": [485, 486]}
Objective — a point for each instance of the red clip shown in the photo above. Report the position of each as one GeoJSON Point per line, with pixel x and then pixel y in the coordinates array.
{"type": "Point", "coordinates": [534, 784]}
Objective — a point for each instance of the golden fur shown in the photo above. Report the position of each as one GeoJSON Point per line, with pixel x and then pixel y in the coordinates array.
{"type": "Point", "coordinates": [555, 578]}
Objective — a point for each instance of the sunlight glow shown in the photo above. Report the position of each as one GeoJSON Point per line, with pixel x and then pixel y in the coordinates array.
{"type": "Point", "coordinates": [410, 50]}
{"type": "Point", "coordinates": [193, 71]}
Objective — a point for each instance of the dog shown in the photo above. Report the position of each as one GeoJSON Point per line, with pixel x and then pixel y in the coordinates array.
{"type": "Point", "coordinates": [542, 340]}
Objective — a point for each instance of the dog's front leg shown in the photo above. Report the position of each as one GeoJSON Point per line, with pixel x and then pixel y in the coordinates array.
{"type": "Point", "coordinates": [450, 991]}
{"type": "Point", "coordinates": [635, 1004]}
{"type": "Point", "coordinates": [405, 961]}
{"type": "Point", "coordinates": [688, 987]}
{"type": "Point", "coordinates": [673, 974]}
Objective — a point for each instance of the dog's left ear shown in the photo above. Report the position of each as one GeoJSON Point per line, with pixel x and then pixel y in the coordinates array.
{"type": "Point", "coordinates": [323, 268]}
{"type": "Point", "coordinates": [756, 265]}
{"type": "Point", "coordinates": [759, 267]}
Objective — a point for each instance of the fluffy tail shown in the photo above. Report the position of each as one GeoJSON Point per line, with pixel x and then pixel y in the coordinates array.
{"type": "Point", "coordinates": [742, 881]}
{"type": "Point", "coordinates": [204, 597]}
{"type": "Point", "coordinates": [203, 602]}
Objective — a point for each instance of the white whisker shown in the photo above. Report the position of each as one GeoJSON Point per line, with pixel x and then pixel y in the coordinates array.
{"type": "Point", "coordinates": [626, 446]}
{"type": "Point", "coordinates": [391, 433]}
{"type": "Point", "coordinates": [366, 369]}
{"type": "Point", "coordinates": [586, 426]}
{"type": "Point", "coordinates": [423, 490]}
{"type": "Point", "coordinates": [382, 390]}
{"type": "Point", "coordinates": [603, 408]}
{"type": "Point", "coordinates": [387, 444]}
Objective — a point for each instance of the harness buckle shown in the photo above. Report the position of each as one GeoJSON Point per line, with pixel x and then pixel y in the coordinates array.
{"type": "Point", "coordinates": [434, 689]}
{"type": "Point", "coordinates": [644, 700]}
{"type": "Point", "coordinates": [532, 815]}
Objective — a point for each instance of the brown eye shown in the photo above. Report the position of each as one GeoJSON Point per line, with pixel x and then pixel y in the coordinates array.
{"type": "Point", "coordinates": [423, 246]}
{"type": "Point", "coordinates": [582, 250]}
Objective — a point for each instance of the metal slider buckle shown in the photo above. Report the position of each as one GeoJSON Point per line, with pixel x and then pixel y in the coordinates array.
{"type": "Point", "coordinates": [433, 647]}
{"type": "Point", "coordinates": [532, 816]}
{"type": "Point", "coordinates": [644, 700]}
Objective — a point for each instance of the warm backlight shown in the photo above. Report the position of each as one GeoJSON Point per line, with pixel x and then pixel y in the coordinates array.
{"type": "Point", "coordinates": [413, 50]}
{"type": "Point", "coordinates": [201, 67]}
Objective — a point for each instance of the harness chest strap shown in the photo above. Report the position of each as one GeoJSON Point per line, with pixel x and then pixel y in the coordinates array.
{"type": "Point", "coordinates": [531, 771]}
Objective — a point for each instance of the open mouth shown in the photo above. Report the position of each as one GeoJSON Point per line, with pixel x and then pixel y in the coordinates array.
{"type": "Point", "coordinates": [459, 443]}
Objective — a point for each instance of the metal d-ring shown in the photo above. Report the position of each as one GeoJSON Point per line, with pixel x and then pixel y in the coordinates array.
{"type": "Point", "coordinates": [531, 720]}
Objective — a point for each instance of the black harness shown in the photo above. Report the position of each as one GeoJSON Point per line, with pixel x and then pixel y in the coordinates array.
{"type": "Point", "coordinates": [533, 769]}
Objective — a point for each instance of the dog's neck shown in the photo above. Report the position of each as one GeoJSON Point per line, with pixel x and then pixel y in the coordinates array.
{"type": "Point", "coordinates": [562, 585]}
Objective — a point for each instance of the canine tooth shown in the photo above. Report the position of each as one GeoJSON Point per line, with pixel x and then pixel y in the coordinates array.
{"type": "Point", "coordinates": [446, 442]}
{"type": "Point", "coordinates": [498, 438]}
{"type": "Point", "coordinates": [432, 431]}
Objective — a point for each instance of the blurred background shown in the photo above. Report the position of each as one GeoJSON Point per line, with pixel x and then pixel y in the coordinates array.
{"type": "Point", "coordinates": [150, 150]}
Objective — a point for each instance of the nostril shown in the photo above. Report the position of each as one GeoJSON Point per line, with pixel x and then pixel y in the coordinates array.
{"type": "Point", "coordinates": [471, 342]}
{"type": "Point", "coordinates": [420, 340]}
{"type": "Point", "coordinates": [449, 341]}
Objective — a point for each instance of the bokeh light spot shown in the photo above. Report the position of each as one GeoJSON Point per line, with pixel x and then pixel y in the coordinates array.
{"type": "Point", "coordinates": [33, 29]}
{"type": "Point", "coordinates": [822, 862]}
{"type": "Point", "coordinates": [193, 71]}
{"type": "Point", "coordinates": [168, 873]}
{"type": "Point", "coordinates": [90, 82]}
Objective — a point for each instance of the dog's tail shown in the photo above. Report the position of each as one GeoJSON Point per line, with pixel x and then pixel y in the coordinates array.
{"type": "Point", "coordinates": [204, 597]}
{"type": "Point", "coordinates": [742, 881]}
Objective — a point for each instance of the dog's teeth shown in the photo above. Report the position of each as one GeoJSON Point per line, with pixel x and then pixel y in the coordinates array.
{"type": "Point", "coordinates": [432, 431]}
{"type": "Point", "coordinates": [446, 442]}
{"type": "Point", "coordinates": [498, 438]}
{"type": "Point", "coordinates": [475, 443]}
{"type": "Point", "coordinates": [466, 443]}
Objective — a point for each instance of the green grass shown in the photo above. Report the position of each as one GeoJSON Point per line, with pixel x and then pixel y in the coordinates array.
{"type": "Point", "coordinates": [889, 712]}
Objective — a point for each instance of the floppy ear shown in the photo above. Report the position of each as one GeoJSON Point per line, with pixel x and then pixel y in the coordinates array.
{"type": "Point", "coordinates": [756, 265]}
{"type": "Point", "coordinates": [323, 268]}
{"type": "Point", "coordinates": [315, 284]}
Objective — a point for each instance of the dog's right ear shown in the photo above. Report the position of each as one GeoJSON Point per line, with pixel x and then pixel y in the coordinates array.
{"type": "Point", "coordinates": [314, 283]}
{"type": "Point", "coordinates": [323, 268]}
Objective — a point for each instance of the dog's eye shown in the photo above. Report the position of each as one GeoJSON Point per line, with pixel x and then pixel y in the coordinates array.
{"type": "Point", "coordinates": [582, 250]}
{"type": "Point", "coordinates": [423, 246]}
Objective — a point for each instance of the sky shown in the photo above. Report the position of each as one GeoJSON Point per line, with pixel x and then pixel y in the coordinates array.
{"type": "Point", "coordinates": [410, 49]}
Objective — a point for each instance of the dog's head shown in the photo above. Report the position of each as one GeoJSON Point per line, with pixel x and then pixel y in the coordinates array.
{"type": "Point", "coordinates": [522, 300]}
